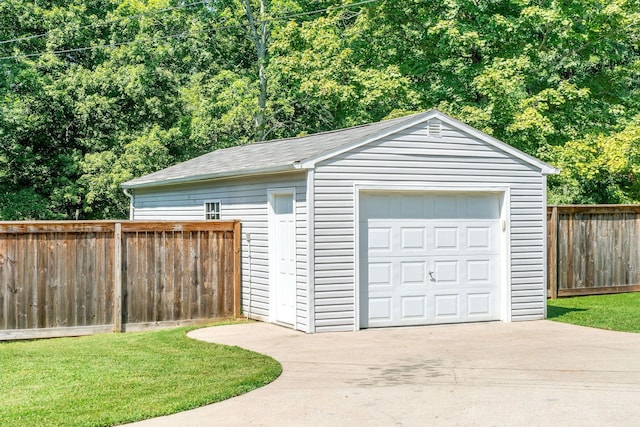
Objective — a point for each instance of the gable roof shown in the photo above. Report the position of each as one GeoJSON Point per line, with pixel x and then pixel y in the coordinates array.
{"type": "Point", "coordinates": [304, 152]}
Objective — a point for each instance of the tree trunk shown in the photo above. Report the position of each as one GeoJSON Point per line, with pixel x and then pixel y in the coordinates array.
{"type": "Point", "coordinates": [258, 32]}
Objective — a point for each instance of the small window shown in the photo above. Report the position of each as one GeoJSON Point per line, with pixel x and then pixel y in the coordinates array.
{"type": "Point", "coordinates": [212, 210]}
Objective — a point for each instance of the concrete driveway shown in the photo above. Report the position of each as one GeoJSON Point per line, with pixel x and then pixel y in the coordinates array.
{"type": "Point", "coordinates": [503, 374]}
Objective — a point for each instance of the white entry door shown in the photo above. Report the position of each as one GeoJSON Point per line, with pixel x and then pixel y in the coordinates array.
{"type": "Point", "coordinates": [282, 253]}
{"type": "Point", "coordinates": [429, 259]}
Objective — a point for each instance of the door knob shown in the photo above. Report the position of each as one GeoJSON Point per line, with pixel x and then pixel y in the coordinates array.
{"type": "Point", "coordinates": [431, 276]}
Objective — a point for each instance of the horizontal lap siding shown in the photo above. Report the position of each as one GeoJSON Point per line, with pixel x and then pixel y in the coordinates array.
{"type": "Point", "coordinates": [413, 158]}
{"type": "Point", "coordinates": [244, 199]}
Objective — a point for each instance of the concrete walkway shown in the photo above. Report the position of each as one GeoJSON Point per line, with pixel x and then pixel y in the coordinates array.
{"type": "Point", "coordinates": [486, 374]}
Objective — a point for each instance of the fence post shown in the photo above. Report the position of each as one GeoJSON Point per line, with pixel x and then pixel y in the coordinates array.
{"type": "Point", "coordinates": [237, 266]}
{"type": "Point", "coordinates": [117, 278]}
{"type": "Point", "coordinates": [553, 253]}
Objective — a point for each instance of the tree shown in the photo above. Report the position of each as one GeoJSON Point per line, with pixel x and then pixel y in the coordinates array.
{"type": "Point", "coordinates": [537, 75]}
{"type": "Point", "coordinates": [130, 86]}
{"type": "Point", "coordinates": [259, 34]}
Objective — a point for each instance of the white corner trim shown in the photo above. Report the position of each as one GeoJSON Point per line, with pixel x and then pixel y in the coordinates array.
{"type": "Point", "coordinates": [356, 255]}
{"type": "Point", "coordinates": [545, 247]}
{"type": "Point", "coordinates": [311, 265]}
{"type": "Point", "coordinates": [506, 285]}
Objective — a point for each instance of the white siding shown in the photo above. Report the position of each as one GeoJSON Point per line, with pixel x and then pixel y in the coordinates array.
{"type": "Point", "coordinates": [244, 199]}
{"type": "Point", "coordinates": [413, 158]}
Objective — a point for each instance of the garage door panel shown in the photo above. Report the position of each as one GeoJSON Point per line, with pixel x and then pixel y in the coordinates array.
{"type": "Point", "coordinates": [380, 309]}
{"type": "Point", "coordinates": [456, 238]}
{"type": "Point", "coordinates": [379, 239]}
{"type": "Point", "coordinates": [469, 271]}
{"type": "Point", "coordinates": [445, 239]}
{"type": "Point", "coordinates": [479, 304]}
{"type": "Point", "coordinates": [479, 237]}
{"type": "Point", "coordinates": [479, 272]}
{"type": "Point", "coordinates": [414, 308]}
{"type": "Point", "coordinates": [380, 274]}
{"type": "Point", "coordinates": [446, 272]}
{"type": "Point", "coordinates": [430, 259]}
{"type": "Point", "coordinates": [413, 238]}
{"type": "Point", "coordinates": [392, 238]}
{"type": "Point", "coordinates": [446, 306]}
{"type": "Point", "coordinates": [413, 273]}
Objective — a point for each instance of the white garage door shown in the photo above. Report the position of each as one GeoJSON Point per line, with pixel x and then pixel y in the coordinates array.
{"type": "Point", "coordinates": [429, 258]}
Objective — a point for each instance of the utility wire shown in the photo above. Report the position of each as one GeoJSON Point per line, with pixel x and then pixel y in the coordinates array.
{"type": "Point", "coordinates": [182, 34]}
{"type": "Point", "coordinates": [102, 46]}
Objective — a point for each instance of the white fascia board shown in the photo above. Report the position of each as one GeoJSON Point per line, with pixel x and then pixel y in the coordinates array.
{"type": "Point", "coordinates": [419, 118]}
{"type": "Point", "coordinates": [545, 168]}
{"type": "Point", "coordinates": [213, 176]}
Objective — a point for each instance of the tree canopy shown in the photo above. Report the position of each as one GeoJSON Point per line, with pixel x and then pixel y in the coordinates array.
{"type": "Point", "coordinates": [96, 92]}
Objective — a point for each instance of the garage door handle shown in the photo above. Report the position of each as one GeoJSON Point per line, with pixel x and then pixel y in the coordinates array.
{"type": "Point", "coordinates": [431, 276]}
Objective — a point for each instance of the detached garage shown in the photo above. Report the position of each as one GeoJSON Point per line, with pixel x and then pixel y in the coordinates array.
{"type": "Point", "coordinates": [411, 221]}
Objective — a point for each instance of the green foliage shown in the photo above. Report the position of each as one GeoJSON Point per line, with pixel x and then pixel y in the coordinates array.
{"type": "Point", "coordinates": [620, 312]}
{"type": "Point", "coordinates": [538, 75]}
{"type": "Point", "coordinates": [105, 171]}
{"type": "Point", "coordinates": [310, 96]}
{"type": "Point", "coordinates": [602, 168]}
{"type": "Point", "coordinates": [118, 378]}
{"type": "Point", "coordinates": [167, 80]}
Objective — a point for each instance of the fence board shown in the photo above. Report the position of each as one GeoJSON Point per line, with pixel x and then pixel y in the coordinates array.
{"type": "Point", "coordinates": [79, 277]}
{"type": "Point", "coordinates": [43, 273]}
{"type": "Point", "coordinates": [593, 249]}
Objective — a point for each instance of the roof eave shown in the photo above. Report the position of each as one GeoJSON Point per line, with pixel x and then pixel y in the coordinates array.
{"type": "Point", "coordinates": [550, 170]}
{"type": "Point", "coordinates": [545, 168]}
{"type": "Point", "coordinates": [208, 177]}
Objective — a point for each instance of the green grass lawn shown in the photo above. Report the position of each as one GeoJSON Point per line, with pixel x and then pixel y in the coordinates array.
{"type": "Point", "coordinates": [117, 378]}
{"type": "Point", "coordinates": [620, 312]}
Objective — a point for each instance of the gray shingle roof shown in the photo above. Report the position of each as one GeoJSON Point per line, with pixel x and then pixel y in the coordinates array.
{"type": "Point", "coordinates": [288, 154]}
{"type": "Point", "coordinates": [280, 154]}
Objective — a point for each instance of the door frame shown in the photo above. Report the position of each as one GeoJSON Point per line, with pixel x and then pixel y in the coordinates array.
{"type": "Point", "coordinates": [271, 197]}
{"type": "Point", "coordinates": [503, 191]}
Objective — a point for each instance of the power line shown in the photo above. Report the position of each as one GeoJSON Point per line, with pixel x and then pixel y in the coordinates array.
{"type": "Point", "coordinates": [98, 24]}
{"type": "Point", "coordinates": [182, 34]}
{"type": "Point", "coordinates": [102, 46]}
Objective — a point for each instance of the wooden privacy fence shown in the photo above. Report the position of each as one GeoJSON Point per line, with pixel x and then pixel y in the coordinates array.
{"type": "Point", "coordinates": [61, 278]}
{"type": "Point", "coordinates": [593, 249]}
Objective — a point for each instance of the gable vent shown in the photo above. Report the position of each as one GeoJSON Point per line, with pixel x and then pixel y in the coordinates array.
{"type": "Point", "coordinates": [434, 128]}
